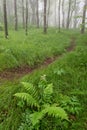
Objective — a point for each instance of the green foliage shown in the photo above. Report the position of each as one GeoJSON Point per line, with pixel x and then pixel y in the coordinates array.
{"type": "Point", "coordinates": [44, 104]}
{"type": "Point", "coordinates": [28, 98]}
{"type": "Point", "coordinates": [67, 74]}
{"type": "Point", "coordinates": [70, 104]}
{"type": "Point", "coordinates": [1, 27]}
{"type": "Point", "coordinates": [32, 50]}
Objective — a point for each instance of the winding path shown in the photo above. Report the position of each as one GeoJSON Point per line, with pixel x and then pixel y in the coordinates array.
{"type": "Point", "coordinates": [16, 73]}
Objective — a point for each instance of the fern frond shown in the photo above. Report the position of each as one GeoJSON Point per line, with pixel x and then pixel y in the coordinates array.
{"type": "Point", "coordinates": [56, 112]}
{"type": "Point", "coordinates": [30, 89]}
{"type": "Point", "coordinates": [28, 98]}
{"type": "Point", "coordinates": [36, 117]}
{"type": "Point", "coordinates": [47, 94]}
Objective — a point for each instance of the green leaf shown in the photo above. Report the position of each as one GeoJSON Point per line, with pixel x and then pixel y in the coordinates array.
{"type": "Point", "coordinates": [28, 98]}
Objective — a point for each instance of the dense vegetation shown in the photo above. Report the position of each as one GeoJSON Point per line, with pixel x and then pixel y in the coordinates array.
{"type": "Point", "coordinates": [62, 86]}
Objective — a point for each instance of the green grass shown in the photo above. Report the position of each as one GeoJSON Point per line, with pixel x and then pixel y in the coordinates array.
{"type": "Point", "coordinates": [21, 50]}
{"type": "Point", "coordinates": [72, 81]}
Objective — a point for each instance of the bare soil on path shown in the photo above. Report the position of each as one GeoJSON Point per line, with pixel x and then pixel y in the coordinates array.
{"type": "Point", "coordinates": [16, 73]}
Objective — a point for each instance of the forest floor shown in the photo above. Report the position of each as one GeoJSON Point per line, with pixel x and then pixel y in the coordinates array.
{"type": "Point", "coordinates": [15, 73]}
{"type": "Point", "coordinates": [61, 57]}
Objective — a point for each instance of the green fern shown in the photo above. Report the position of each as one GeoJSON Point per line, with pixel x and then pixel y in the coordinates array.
{"type": "Point", "coordinates": [28, 98]}
{"type": "Point", "coordinates": [44, 91]}
{"type": "Point", "coordinates": [30, 89]}
{"type": "Point", "coordinates": [56, 112]}
{"type": "Point", "coordinates": [47, 93]}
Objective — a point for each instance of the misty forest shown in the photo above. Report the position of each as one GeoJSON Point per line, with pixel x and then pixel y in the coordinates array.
{"type": "Point", "coordinates": [43, 64]}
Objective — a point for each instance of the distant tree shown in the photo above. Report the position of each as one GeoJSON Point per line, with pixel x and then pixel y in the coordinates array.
{"type": "Point", "coordinates": [84, 17]}
{"type": "Point", "coordinates": [75, 14]}
{"type": "Point", "coordinates": [23, 13]}
{"type": "Point", "coordinates": [48, 12]}
{"type": "Point", "coordinates": [26, 26]}
{"type": "Point", "coordinates": [16, 17]}
{"type": "Point", "coordinates": [59, 13]}
{"type": "Point", "coordinates": [63, 14]}
{"type": "Point", "coordinates": [37, 13]}
{"type": "Point", "coordinates": [5, 19]}
{"type": "Point", "coordinates": [55, 14]}
{"type": "Point", "coordinates": [45, 16]}
{"type": "Point", "coordinates": [68, 16]}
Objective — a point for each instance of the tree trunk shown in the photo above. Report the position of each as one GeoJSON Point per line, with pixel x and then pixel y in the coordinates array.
{"type": "Point", "coordinates": [45, 20]}
{"type": "Point", "coordinates": [59, 13]}
{"type": "Point", "coordinates": [26, 27]}
{"type": "Point", "coordinates": [83, 19]}
{"type": "Point", "coordinates": [48, 13]}
{"type": "Point", "coordinates": [23, 13]}
{"type": "Point", "coordinates": [16, 18]}
{"type": "Point", "coordinates": [63, 14]}
{"type": "Point", "coordinates": [37, 13]}
{"type": "Point", "coordinates": [5, 19]}
{"type": "Point", "coordinates": [75, 14]}
{"type": "Point", "coordinates": [55, 13]}
{"type": "Point", "coordinates": [68, 17]}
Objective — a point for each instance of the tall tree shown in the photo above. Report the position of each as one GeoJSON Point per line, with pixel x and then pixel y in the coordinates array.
{"type": "Point", "coordinates": [55, 13]}
{"type": "Point", "coordinates": [5, 19]}
{"type": "Point", "coordinates": [45, 16]}
{"type": "Point", "coordinates": [68, 17]}
{"type": "Point", "coordinates": [63, 13]}
{"type": "Point", "coordinates": [37, 13]}
{"type": "Point", "coordinates": [83, 18]}
{"type": "Point", "coordinates": [16, 17]}
{"type": "Point", "coordinates": [59, 13]}
{"type": "Point", "coordinates": [23, 13]}
{"type": "Point", "coordinates": [48, 12]}
{"type": "Point", "coordinates": [26, 26]}
{"type": "Point", "coordinates": [75, 13]}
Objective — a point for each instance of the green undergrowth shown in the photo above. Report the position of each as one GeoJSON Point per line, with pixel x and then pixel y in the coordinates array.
{"type": "Point", "coordinates": [20, 50]}
{"type": "Point", "coordinates": [69, 78]}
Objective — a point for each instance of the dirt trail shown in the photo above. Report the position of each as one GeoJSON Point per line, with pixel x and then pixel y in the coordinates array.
{"type": "Point", "coordinates": [16, 73]}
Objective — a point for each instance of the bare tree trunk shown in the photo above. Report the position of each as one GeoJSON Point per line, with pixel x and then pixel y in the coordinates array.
{"type": "Point", "coordinates": [37, 13]}
{"type": "Point", "coordinates": [75, 19]}
{"type": "Point", "coordinates": [16, 17]}
{"type": "Point", "coordinates": [48, 13]}
{"type": "Point", "coordinates": [68, 17]}
{"type": "Point", "coordinates": [84, 16]}
{"type": "Point", "coordinates": [59, 13]}
{"type": "Point", "coordinates": [63, 14]}
{"type": "Point", "coordinates": [45, 20]}
{"type": "Point", "coordinates": [23, 13]}
{"type": "Point", "coordinates": [5, 19]}
{"type": "Point", "coordinates": [55, 13]}
{"type": "Point", "coordinates": [26, 26]}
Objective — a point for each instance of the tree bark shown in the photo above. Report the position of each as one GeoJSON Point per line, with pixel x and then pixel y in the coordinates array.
{"type": "Point", "coordinates": [48, 13]}
{"type": "Point", "coordinates": [63, 14]}
{"type": "Point", "coordinates": [16, 17]}
{"type": "Point", "coordinates": [23, 13]}
{"type": "Point", "coordinates": [75, 14]}
{"type": "Point", "coordinates": [5, 19]}
{"type": "Point", "coordinates": [83, 18]}
{"type": "Point", "coordinates": [37, 13]}
{"type": "Point", "coordinates": [45, 20]}
{"type": "Point", "coordinates": [59, 13]}
{"type": "Point", "coordinates": [55, 13]}
{"type": "Point", "coordinates": [26, 26]}
{"type": "Point", "coordinates": [68, 17]}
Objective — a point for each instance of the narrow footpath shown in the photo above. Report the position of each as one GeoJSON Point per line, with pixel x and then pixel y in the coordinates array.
{"type": "Point", "coordinates": [16, 73]}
